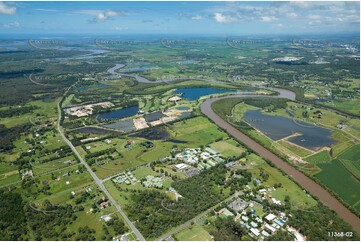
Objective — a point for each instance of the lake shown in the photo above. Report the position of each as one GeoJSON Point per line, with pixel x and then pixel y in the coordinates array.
{"type": "Point", "coordinates": [120, 113]}
{"type": "Point", "coordinates": [193, 93]}
{"type": "Point", "coordinates": [278, 127]}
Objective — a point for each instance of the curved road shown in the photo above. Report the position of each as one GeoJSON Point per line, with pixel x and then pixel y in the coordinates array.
{"type": "Point", "coordinates": [307, 183]}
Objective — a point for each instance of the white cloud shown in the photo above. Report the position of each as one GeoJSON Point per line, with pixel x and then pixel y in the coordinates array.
{"type": "Point", "coordinates": [224, 19]}
{"type": "Point", "coordinates": [5, 9]}
{"type": "Point", "coordinates": [267, 18]}
{"type": "Point", "coordinates": [197, 17]}
{"type": "Point", "coordinates": [106, 14]}
{"type": "Point", "coordinates": [119, 28]}
{"type": "Point", "coordinates": [291, 15]}
{"type": "Point", "coordinates": [12, 25]}
{"type": "Point", "coordinates": [99, 15]}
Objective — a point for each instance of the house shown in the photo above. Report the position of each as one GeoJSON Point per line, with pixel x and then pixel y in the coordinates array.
{"type": "Point", "coordinates": [181, 166]}
{"type": "Point", "coordinates": [269, 228]}
{"type": "Point", "coordinates": [270, 217]}
{"type": "Point", "coordinates": [275, 201]}
{"type": "Point", "coordinates": [253, 224]}
{"type": "Point", "coordinates": [230, 164]}
{"type": "Point", "coordinates": [255, 231]}
{"type": "Point", "coordinates": [104, 204]}
{"type": "Point", "coordinates": [264, 233]}
{"type": "Point", "coordinates": [244, 218]}
{"type": "Point", "coordinates": [279, 222]}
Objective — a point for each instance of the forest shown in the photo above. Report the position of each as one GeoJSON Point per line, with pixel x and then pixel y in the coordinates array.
{"type": "Point", "coordinates": [156, 213]}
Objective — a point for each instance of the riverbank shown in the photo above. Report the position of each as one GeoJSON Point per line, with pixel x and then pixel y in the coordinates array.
{"type": "Point", "coordinates": [307, 183]}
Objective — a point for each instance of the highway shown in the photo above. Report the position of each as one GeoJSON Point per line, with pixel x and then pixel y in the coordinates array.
{"type": "Point", "coordinates": [95, 177]}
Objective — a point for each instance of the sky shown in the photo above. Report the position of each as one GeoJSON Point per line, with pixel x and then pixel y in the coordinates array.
{"type": "Point", "coordinates": [238, 18]}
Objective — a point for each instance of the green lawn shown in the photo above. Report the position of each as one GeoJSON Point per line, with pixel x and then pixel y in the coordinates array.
{"type": "Point", "coordinates": [193, 233]}
{"type": "Point", "coordinates": [227, 149]}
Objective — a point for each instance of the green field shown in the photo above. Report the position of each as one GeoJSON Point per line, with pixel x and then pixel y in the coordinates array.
{"type": "Point", "coordinates": [351, 160]}
{"type": "Point", "coordinates": [227, 148]}
{"type": "Point", "coordinates": [319, 158]}
{"type": "Point", "coordinates": [337, 178]}
{"type": "Point", "coordinates": [194, 233]}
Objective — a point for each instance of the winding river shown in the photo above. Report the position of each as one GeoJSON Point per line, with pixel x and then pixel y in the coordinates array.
{"type": "Point", "coordinates": [307, 183]}
{"type": "Point", "coordinates": [304, 181]}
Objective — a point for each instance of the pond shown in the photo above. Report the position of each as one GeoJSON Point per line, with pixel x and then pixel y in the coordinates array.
{"type": "Point", "coordinates": [92, 130]}
{"type": "Point", "coordinates": [278, 127]}
{"type": "Point", "coordinates": [193, 93]}
{"type": "Point", "coordinates": [125, 125]}
{"type": "Point", "coordinates": [152, 134]}
{"type": "Point", "coordinates": [120, 113]}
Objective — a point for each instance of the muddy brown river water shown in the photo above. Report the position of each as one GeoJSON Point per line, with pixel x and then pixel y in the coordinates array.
{"type": "Point", "coordinates": [304, 181]}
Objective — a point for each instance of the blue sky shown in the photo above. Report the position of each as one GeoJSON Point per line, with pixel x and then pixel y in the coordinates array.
{"type": "Point", "coordinates": [179, 17]}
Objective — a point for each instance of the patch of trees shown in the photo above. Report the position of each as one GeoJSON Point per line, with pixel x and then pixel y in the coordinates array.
{"type": "Point", "coordinates": [9, 135]}
{"type": "Point", "coordinates": [226, 229]}
{"type": "Point", "coordinates": [241, 179]}
{"type": "Point", "coordinates": [281, 235]}
{"type": "Point", "coordinates": [155, 212]}
{"type": "Point", "coordinates": [316, 225]}
{"type": "Point", "coordinates": [10, 112]}
{"type": "Point", "coordinates": [12, 217]}
{"type": "Point", "coordinates": [99, 153]}
{"type": "Point", "coordinates": [267, 103]}
{"type": "Point", "coordinates": [85, 234]}
{"type": "Point", "coordinates": [16, 74]}
{"type": "Point", "coordinates": [50, 225]}
{"type": "Point", "coordinates": [117, 225]}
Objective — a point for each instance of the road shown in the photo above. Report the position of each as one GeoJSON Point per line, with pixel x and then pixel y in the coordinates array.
{"type": "Point", "coordinates": [307, 183]}
{"type": "Point", "coordinates": [95, 177]}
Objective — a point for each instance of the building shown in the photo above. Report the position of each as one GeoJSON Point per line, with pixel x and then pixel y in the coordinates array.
{"type": "Point", "coordinates": [230, 164]}
{"type": "Point", "coordinates": [270, 228]}
{"type": "Point", "coordinates": [255, 232]}
{"type": "Point", "coordinates": [181, 166]}
{"type": "Point", "coordinates": [279, 222]}
{"type": "Point", "coordinates": [211, 151]}
{"type": "Point", "coordinates": [254, 225]}
{"type": "Point", "coordinates": [265, 234]}
{"type": "Point", "coordinates": [270, 217]}
{"type": "Point", "coordinates": [104, 204]}
{"type": "Point", "coordinates": [238, 205]}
